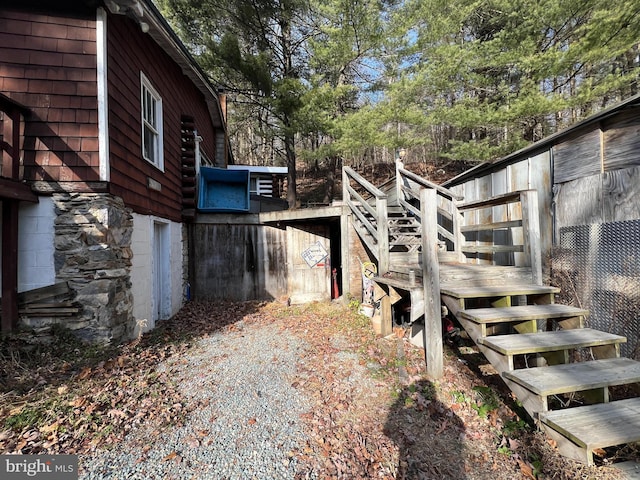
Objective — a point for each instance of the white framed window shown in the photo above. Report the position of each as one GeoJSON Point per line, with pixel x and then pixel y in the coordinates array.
{"type": "Point", "coordinates": [151, 107]}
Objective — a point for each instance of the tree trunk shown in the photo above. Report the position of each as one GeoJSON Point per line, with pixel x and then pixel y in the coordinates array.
{"type": "Point", "coordinates": [330, 184]}
{"type": "Point", "coordinates": [292, 196]}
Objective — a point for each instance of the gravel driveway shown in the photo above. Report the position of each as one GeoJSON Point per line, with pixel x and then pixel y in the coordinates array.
{"type": "Point", "coordinates": [246, 423]}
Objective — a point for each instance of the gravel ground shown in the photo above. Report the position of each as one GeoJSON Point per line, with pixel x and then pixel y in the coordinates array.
{"type": "Point", "coordinates": [239, 382]}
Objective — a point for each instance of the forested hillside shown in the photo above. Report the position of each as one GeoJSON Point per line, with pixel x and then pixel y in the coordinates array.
{"type": "Point", "coordinates": [355, 81]}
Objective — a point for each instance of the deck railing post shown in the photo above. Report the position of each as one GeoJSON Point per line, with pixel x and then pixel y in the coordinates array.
{"type": "Point", "coordinates": [431, 284]}
{"type": "Point", "coordinates": [457, 220]}
{"type": "Point", "coordinates": [399, 181]}
{"type": "Point", "coordinates": [345, 184]}
{"type": "Point", "coordinates": [382, 228]}
{"type": "Point", "coordinates": [531, 234]}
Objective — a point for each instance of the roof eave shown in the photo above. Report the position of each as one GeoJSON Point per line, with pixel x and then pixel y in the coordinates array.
{"type": "Point", "coordinates": [544, 143]}
{"type": "Point", "coordinates": [152, 21]}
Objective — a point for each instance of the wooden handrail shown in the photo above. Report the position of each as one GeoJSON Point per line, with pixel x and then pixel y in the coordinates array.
{"type": "Point", "coordinates": [426, 183]}
{"type": "Point", "coordinates": [494, 201]}
{"type": "Point", "coordinates": [373, 190]}
{"type": "Point", "coordinates": [379, 230]}
{"type": "Point", "coordinates": [529, 222]}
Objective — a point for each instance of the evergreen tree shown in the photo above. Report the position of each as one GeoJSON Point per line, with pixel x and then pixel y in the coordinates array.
{"type": "Point", "coordinates": [254, 49]}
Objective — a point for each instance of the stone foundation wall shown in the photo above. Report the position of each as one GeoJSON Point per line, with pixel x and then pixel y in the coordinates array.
{"type": "Point", "coordinates": [92, 253]}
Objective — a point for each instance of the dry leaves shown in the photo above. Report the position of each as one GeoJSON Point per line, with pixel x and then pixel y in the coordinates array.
{"type": "Point", "coordinates": [364, 423]}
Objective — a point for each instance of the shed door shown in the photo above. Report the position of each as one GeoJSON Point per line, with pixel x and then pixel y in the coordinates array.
{"type": "Point", "coordinates": [309, 274]}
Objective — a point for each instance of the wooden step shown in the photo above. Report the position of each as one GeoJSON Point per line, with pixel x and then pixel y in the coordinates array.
{"type": "Point", "coordinates": [483, 275]}
{"type": "Point", "coordinates": [580, 430]}
{"type": "Point", "coordinates": [540, 342]}
{"type": "Point", "coordinates": [524, 318]}
{"type": "Point", "coordinates": [500, 295]}
{"type": "Point", "coordinates": [576, 377]}
{"type": "Point", "coordinates": [521, 313]}
{"type": "Point", "coordinates": [462, 292]}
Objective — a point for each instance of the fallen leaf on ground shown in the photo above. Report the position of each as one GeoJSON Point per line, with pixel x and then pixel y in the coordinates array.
{"type": "Point", "coordinates": [171, 456]}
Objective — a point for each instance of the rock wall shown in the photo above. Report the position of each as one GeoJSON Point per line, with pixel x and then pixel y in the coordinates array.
{"type": "Point", "coordinates": [93, 254]}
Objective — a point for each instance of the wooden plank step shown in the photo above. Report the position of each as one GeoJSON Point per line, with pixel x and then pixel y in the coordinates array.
{"type": "Point", "coordinates": [541, 342]}
{"type": "Point", "coordinates": [495, 290]}
{"type": "Point", "coordinates": [521, 313]}
{"type": "Point", "coordinates": [483, 275]}
{"type": "Point", "coordinates": [576, 377]}
{"type": "Point", "coordinates": [597, 426]}
{"type": "Point", "coordinates": [46, 312]}
{"type": "Point", "coordinates": [38, 294]}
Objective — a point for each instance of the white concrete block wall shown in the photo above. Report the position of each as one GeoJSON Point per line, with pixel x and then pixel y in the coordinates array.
{"type": "Point", "coordinates": [35, 245]}
{"type": "Point", "coordinates": [176, 264]}
{"type": "Point", "coordinates": [143, 268]}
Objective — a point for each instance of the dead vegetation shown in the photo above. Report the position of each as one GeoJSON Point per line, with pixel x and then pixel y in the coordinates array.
{"type": "Point", "coordinates": [375, 413]}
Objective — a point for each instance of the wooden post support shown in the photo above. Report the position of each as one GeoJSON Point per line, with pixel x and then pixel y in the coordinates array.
{"type": "Point", "coordinates": [431, 283]}
{"type": "Point", "coordinates": [383, 262]}
{"type": "Point", "coordinates": [344, 251]}
{"type": "Point", "coordinates": [531, 232]}
{"type": "Point", "coordinates": [383, 234]}
{"type": "Point", "coordinates": [9, 264]}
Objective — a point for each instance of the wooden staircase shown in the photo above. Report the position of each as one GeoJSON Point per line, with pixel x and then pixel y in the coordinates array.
{"type": "Point", "coordinates": [541, 349]}
{"type": "Point", "coordinates": [533, 330]}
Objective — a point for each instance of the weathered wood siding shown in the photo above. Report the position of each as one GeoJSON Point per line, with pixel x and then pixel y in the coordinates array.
{"type": "Point", "coordinates": [608, 193]}
{"type": "Point", "coordinates": [239, 262]}
{"type": "Point", "coordinates": [576, 157]}
{"type": "Point", "coordinates": [621, 139]}
{"type": "Point", "coordinates": [308, 283]}
{"type": "Point", "coordinates": [130, 52]}
{"type": "Point", "coordinates": [529, 173]}
{"type": "Point", "coordinates": [48, 63]}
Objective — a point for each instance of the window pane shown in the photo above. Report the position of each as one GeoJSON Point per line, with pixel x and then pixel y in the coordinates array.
{"type": "Point", "coordinates": [151, 105]}
{"type": "Point", "coordinates": [149, 143]}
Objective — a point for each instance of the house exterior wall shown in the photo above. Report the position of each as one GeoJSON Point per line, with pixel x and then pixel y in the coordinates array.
{"type": "Point", "coordinates": [141, 271]}
{"type": "Point", "coordinates": [604, 186]}
{"type": "Point", "coordinates": [48, 64]}
{"type": "Point", "coordinates": [131, 52]}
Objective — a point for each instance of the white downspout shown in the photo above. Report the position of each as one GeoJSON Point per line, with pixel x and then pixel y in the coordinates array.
{"type": "Point", "coordinates": [103, 106]}
{"type": "Point", "coordinates": [197, 138]}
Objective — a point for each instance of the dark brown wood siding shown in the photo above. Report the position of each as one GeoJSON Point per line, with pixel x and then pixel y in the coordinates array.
{"type": "Point", "coordinates": [130, 52]}
{"type": "Point", "coordinates": [48, 64]}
